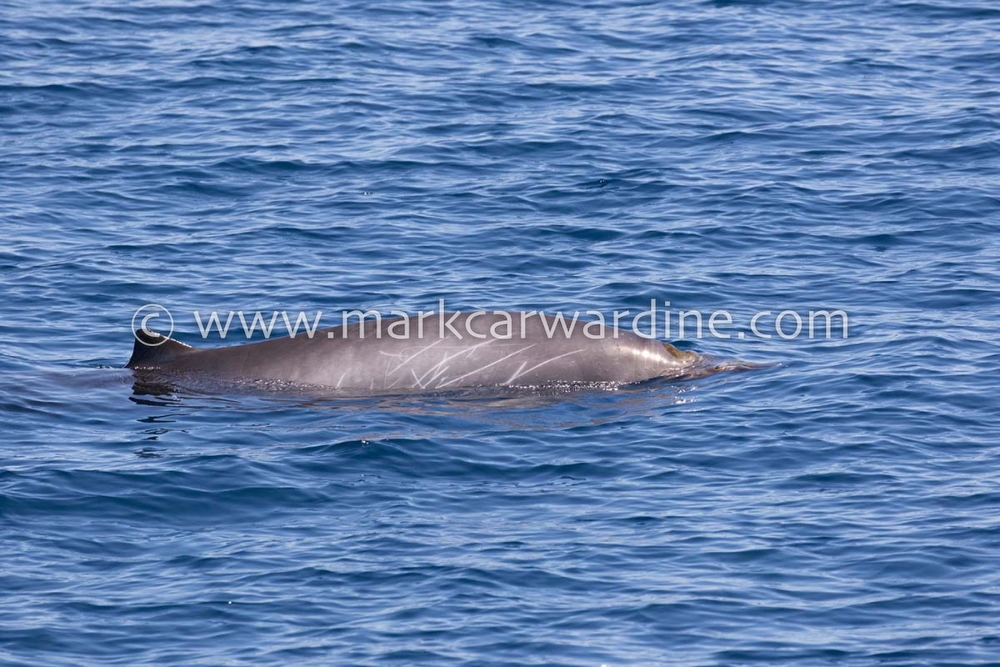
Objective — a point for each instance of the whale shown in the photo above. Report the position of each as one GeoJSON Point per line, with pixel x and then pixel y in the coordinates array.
{"type": "Point", "coordinates": [435, 352]}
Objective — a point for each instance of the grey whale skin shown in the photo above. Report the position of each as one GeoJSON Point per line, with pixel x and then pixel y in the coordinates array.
{"type": "Point", "coordinates": [369, 363]}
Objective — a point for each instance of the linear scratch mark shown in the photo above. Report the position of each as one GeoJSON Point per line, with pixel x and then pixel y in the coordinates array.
{"type": "Point", "coordinates": [435, 367]}
{"type": "Point", "coordinates": [537, 366]}
{"type": "Point", "coordinates": [517, 372]}
{"type": "Point", "coordinates": [448, 357]}
{"type": "Point", "coordinates": [440, 372]}
{"type": "Point", "coordinates": [492, 363]}
{"type": "Point", "coordinates": [412, 356]}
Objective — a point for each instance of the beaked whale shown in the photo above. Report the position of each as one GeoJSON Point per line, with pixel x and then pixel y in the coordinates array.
{"type": "Point", "coordinates": [474, 350]}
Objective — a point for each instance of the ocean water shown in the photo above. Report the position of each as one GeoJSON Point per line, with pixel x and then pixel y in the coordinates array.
{"type": "Point", "coordinates": [839, 508]}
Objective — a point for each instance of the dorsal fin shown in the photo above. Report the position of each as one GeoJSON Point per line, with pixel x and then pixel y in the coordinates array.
{"type": "Point", "coordinates": [152, 349]}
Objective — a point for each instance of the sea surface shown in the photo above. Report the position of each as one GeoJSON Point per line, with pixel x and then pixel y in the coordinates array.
{"type": "Point", "coordinates": [841, 507]}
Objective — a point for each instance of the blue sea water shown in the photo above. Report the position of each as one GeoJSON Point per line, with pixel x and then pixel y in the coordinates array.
{"type": "Point", "coordinates": [840, 508]}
